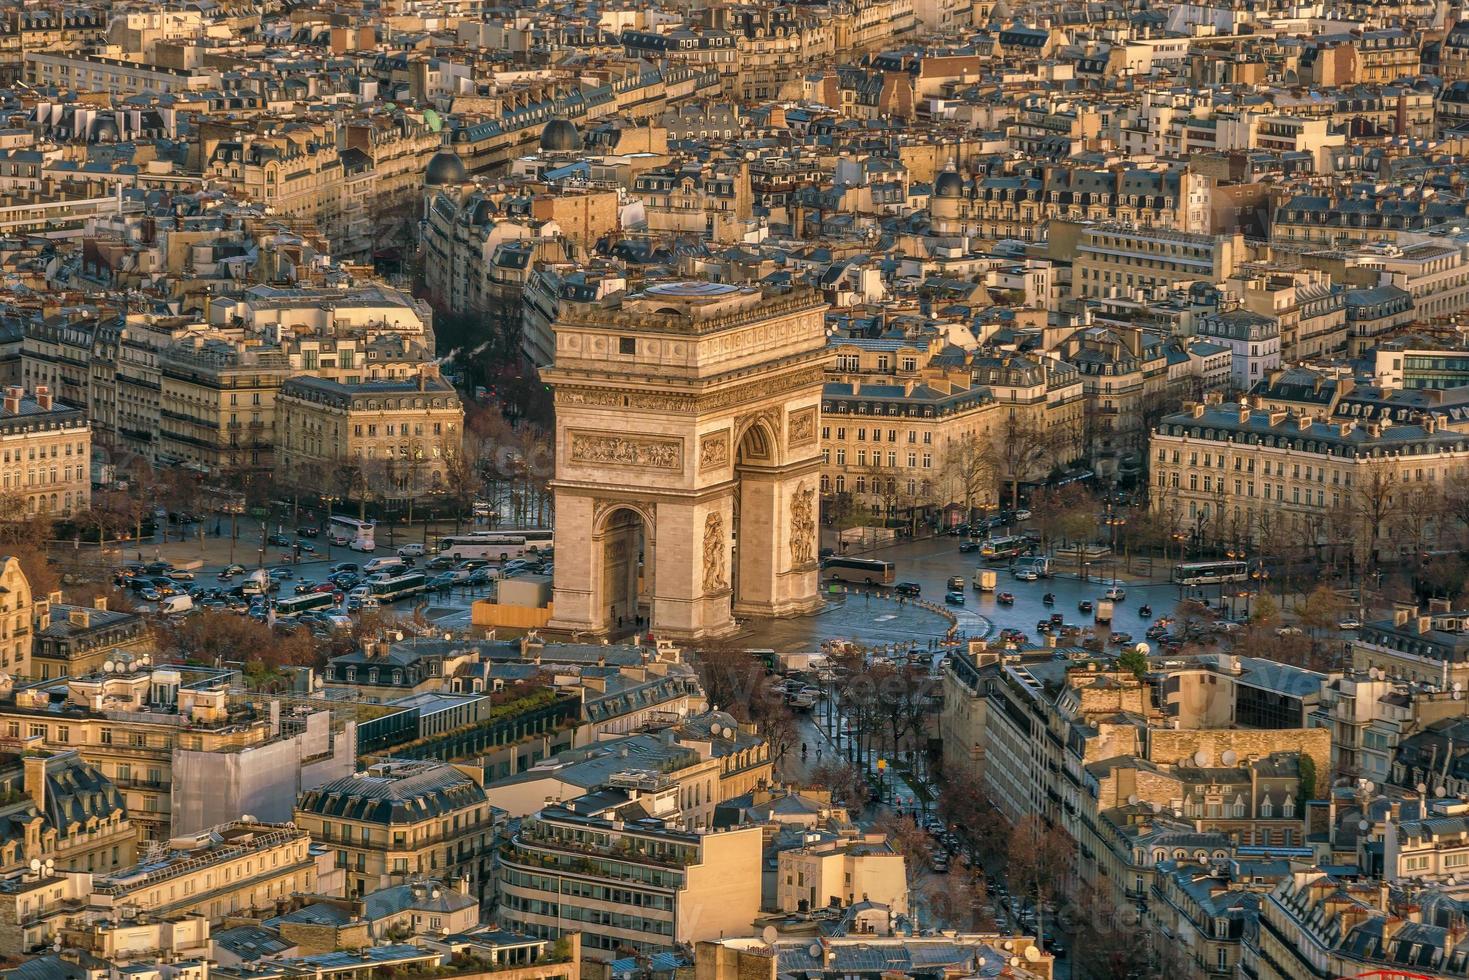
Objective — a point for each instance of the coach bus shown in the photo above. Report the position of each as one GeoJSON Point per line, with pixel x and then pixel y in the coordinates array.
{"type": "Point", "coordinates": [349, 532]}
{"type": "Point", "coordinates": [863, 571]}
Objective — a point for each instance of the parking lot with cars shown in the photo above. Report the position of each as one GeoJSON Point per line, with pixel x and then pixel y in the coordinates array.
{"type": "Point", "coordinates": [302, 580]}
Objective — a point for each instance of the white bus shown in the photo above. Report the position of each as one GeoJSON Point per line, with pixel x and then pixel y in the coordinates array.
{"type": "Point", "coordinates": [536, 538]}
{"type": "Point", "coordinates": [490, 547]}
{"type": "Point", "coordinates": [396, 587]}
{"type": "Point", "coordinates": [1210, 572]}
{"type": "Point", "coordinates": [298, 604]}
{"type": "Point", "coordinates": [349, 532]}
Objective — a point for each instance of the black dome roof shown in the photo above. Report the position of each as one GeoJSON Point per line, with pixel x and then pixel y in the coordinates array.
{"type": "Point", "coordinates": [949, 184]}
{"type": "Point", "coordinates": [560, 136]}
{"type": "Point", "coordinates": [444, 167]}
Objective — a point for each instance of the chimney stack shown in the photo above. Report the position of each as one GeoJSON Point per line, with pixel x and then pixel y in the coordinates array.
{"type": "Point", "coordinates": [13, 394]}
{"type": "Point", "coordinates": [35, 780]}
{"type": "Point", "coordinates": [43, 397]}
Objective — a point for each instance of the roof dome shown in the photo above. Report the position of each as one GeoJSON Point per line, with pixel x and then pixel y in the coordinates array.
{"type": "Point", "coordinates": [949, 184]}
{"type": "Point", "coordinates": [560, 136]}
{"type": "Point", "coordinates": [444, 167]}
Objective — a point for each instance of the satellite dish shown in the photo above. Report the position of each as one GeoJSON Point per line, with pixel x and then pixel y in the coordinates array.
{"type": "Point", "coordinates": [108, 666]}
{"type": "Point", "coordinates": [768, 934]}
{"type": "Point", "coordinates": [1008, 944]}
{"type": "Point", "coordinates": [1157, 808]}
{"type": "Point", "coordinates": [35, 864]}
{"type": "Point", "coordinates": [1438, 791]}
{"type": "Point", "coordinates": [50, 865]}
{"type": "Point", "coordinates": [1369, 785]}
{"type": "Point", "coordinates": [1458, 686]}
{"type": "Point", "coordinates": [1201, 758]}
{"type": "Point", "coordinates": [1421, 787]}
{"type": "Point", "coordinates": [1132, 799]}
{"type": "Point", "coordinates": [1143, 649]}
{"type": "Point", "coordinates": [1229, 757]}
{"type": "Point", "coordinates": [1015, 961]}
{"type": "Point", "coordinates": [814, 949]}
{"type": "Point", "coordinates": [1032, 954]}
{"type": "Point", "coordinates": [1363, 825]}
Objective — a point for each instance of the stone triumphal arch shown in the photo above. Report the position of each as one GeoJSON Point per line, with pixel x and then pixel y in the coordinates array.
{"type": "Point", "coordinates": [687, 458]}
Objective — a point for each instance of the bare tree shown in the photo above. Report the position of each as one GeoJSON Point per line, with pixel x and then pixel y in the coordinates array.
{"type": "Point", "coordinates": [971, 465]}
{"type": "Point", "coordinates": [1041, 857]}
{"type": "Point", "coordinates": [1021, 445]}
{"type": "Point", "coordinates": [1373, 503]}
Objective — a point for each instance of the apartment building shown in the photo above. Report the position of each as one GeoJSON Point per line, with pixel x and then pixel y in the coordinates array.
{"type": "Point", "coordinates": [399, 819]}
{"type": "Point", "coordinates": [1118, 260]}
{"type": "Point", "coordinates": [1253, 340]}
{"type": "Point", "coordinates": [1318, 924]}
{"type": "Point", "coordinates": [839, 872]}
{"type": "Point", "coordinates": [1435, 274]}
{"type": "Point", "coordinates": [702, 761]}
{"type": "Point", "coordinates": [1124, 373]}
{"type": "Point", "coordinates": [1426, 645]}
{"type": "Point", "coordinates": [627, 883]}
{"type": "Point", "coordinates": [217, 406]}
{"type": "Point", "coordinates": [45, 453]}
{"type": "Point", "coordinates": [17, 618]}
{"type": "Point", "coordinates": [72, 641]}
{"type": "Point", "coordinates": [112, 75]}
{"type": "Point", "coordinates": [64, 811]}
{"type": "Point", "coordinates": [1023, 204]}
{"type": "Point", "coordinates": [402, 435]}
{"type": "Point", "coordinates": [234, 869]}
{"type": "Point", "coordinates": [1232, 473]}
{"type": "Point", "coordinates": [1158, 771]}
{"type": "Point", "coordinates": [1207, 909]}
{"type": "Point", "coordinates": [1339, 221]}
{"type": "Point", "coordinates": [902, 428]}
{"type": "Point", "coordinates": [867, 956]}
{"type": "Point", "coordinates": [1374, 313]}
{"type": "Point", "coordinates": [174, 742]}
{"type": "Point", "coordinates": [1310, 312]}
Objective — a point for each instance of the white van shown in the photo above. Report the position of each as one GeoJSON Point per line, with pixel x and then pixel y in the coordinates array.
{"type": "Point", "coordinates": [412, 550]}
{"type": "Point", "coordinates": [384, 565]}
{"type": "Point", "coordinates": [175, 605]}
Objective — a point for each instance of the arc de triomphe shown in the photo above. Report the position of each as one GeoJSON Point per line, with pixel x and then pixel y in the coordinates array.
{"type": "Point", "coordinates": [687, 458]}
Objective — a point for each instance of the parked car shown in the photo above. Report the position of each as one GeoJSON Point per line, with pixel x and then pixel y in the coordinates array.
{"type": "Point", "coordinates": [1023, 514]}
{"type": "Point", "coordinates": [279, 540]}
{"type": "Point", "coordinates": [1289, 631]}
{"type": "Point", "coordinates": [307, 531]}
{"type": "Point", "coordinates": [967, 546]}
{"type": "Point", "coordinates": [515, 565]}
{"type": "Point", "coordinates": [282, 573]}
{"type": "Point", "coordinates": [438, 563]}
{"type": "Point", "coordinates": [346, 566]}
{"type": "Point", "coordinates": [908, 588]}
{"type": "Point", "coordinates": [1350, 625]}
{"type": "Point", "coordinates": [443, 580]}
{"type": "Point", "coordinates": [414, 549]}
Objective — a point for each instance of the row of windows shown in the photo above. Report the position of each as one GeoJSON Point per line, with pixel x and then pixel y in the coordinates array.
{"type": "Point", "coordinates": [30, 456]}
{"type": "Point", "coordinates": [892, 458]}
{"type": "Point", "coordinates": [861, 434]}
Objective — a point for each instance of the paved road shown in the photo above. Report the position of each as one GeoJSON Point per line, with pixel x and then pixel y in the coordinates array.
{"type": "Point", "coordinates": [931, 563]}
